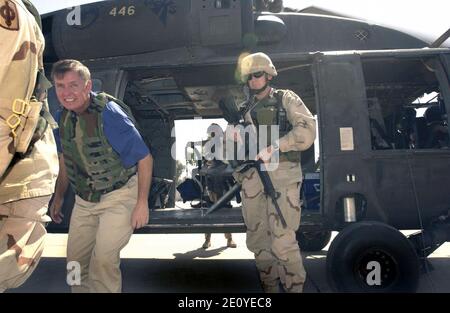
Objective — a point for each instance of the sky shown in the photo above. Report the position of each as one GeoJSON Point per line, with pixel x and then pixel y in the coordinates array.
{"type": "Point", "coordinates": [424, 19]}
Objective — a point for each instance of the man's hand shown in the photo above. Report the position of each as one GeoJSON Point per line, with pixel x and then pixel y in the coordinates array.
{"type": "Point", "coordinates": [55, 210]}
{"type": "Point", "coordinates": [60, 189]}
{"type": "Point", "coordinates": [140, 215]}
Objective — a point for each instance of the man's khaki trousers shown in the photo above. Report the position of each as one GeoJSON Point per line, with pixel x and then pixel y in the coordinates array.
{"type": "Point", "coordinates": [97, 234]}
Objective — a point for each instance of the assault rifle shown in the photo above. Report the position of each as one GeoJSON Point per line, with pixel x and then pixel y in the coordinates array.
{"type": "Point", "coordinates": [234, 116]}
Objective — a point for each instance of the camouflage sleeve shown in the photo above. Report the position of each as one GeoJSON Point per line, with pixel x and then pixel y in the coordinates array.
{"type": "Point", "coordinates": [17, 60]}
{"type": "Point", "coordinates": [303, 132]}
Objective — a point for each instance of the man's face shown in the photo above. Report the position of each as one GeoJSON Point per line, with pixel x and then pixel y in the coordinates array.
{"type": "Point", "coordinates": [258, 80]}
{"type": "Point", "coordinates": [73, 92]}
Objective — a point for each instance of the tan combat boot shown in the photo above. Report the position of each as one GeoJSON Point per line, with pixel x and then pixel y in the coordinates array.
{"type": "Point", "coordinates": [230, 242]}
{"type": "Point", "coordinates": [207, 242]}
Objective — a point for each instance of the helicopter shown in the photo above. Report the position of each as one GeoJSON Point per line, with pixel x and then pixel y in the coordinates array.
{"type": "Point", "coordinates": [380, 96]}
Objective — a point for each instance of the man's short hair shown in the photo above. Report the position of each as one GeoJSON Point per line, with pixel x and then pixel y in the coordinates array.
{"type": "Point", "coordinates": [60, 68]}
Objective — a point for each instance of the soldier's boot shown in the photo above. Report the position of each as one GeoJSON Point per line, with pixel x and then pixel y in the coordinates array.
{"type": "Point", "coordinates": [207, 242]}
{"type": "Point", "coordinates": [230, 242]}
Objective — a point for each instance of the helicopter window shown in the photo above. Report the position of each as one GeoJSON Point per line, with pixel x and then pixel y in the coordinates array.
{"type": "Point", "coordinates": [406, 107]}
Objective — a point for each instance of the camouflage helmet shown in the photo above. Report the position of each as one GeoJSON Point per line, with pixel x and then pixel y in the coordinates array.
{"type": "Point", "coordinates": [257, 62]}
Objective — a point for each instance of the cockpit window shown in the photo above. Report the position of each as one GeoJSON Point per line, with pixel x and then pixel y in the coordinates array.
{"type": "Point", "coordinates": [407, 109]}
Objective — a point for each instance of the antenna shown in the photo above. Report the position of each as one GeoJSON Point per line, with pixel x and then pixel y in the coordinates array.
{"type": "Point", "coordinates": [438, 42]}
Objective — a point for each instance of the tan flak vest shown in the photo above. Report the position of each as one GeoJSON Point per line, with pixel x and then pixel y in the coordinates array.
{"type": "Point", "coordinates": [21, 51]}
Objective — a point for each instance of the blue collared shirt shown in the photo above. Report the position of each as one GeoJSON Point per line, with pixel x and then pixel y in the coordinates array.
{"type": "Point", "coordinates": [121, 134]}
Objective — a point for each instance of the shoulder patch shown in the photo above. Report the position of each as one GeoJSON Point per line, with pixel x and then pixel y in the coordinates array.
{"type": "Point", "coordinates": [9, 16]}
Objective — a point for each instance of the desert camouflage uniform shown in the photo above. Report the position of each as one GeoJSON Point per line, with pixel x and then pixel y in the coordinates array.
{"type": "Point", "coordinates": [276, 249]}
{"type": "Point", "coordinates": [25, 183]}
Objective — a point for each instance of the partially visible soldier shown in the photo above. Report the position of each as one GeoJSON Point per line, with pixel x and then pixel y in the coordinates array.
{"type": "Point", "coordinates": [28, 157]}
{"type": "Point", "coordinates": [276, 249]}
{"type": "Point", "coordinates": [217, 185]}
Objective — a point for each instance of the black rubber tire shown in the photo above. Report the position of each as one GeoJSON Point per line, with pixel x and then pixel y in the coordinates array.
{"type": "Point", "coordinates": [313, 241]}
{"type": "Point", "coordinates": [362, 242]}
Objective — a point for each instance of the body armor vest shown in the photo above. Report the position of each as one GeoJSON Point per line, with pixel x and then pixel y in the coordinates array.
{"type": "Point", "coordinates": [93, 167]}
{"type": "Point", "coordinates": [270, 111]}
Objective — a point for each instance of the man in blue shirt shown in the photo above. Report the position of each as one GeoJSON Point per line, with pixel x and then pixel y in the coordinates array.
{"type": "Point", "coordinates": [100, 152]}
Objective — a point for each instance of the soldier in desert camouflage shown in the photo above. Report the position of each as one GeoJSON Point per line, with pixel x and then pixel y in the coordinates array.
{"type": "Point", "coordinates": [276, 249]}
{"type": "Point", "coordinates": [28, 156]}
